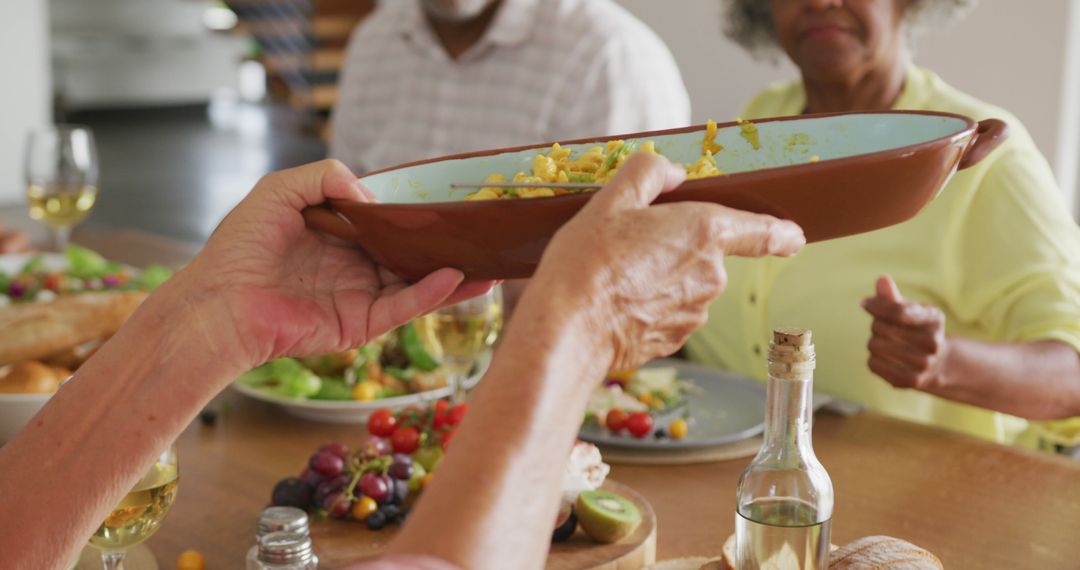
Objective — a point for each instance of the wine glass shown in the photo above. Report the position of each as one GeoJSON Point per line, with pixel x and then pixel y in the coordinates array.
{"type": "Point", "coordinates": [140, 513]}
{"type": "Point", "coordinates": [460, 334]}
{"type": "Point", "coordinates": [61, 169]}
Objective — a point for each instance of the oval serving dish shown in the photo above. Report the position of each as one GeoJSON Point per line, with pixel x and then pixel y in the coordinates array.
{"type": "Point", "coordinates": [835, 175]}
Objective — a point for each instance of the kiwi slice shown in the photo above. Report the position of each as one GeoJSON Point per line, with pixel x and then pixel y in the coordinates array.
{"type": "Point", "coordinates": [606, 517]}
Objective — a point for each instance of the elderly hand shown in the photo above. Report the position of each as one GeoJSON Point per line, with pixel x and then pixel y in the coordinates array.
{"type": "Point", "coordinates": [908, 346]}
{"type": "Point", "coordinates": [642, 276]}
{"type": "Point", "coordinates": [281, 289]}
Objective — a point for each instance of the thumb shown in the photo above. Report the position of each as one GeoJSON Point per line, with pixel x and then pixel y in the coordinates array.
{"type": "Point", "coordinates": [638, 182]}
{"type": "Point", "coordinates": [887, 288]}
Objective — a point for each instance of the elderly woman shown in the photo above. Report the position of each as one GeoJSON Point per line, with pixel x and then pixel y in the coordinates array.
{"type": "Point", "coordinates": [975, 311]}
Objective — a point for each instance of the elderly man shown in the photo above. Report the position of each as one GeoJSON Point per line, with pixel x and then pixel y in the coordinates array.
{"type": "Point", "coordinates": [425, 78]}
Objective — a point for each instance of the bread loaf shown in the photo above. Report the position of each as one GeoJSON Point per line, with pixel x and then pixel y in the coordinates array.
{"type": "Point", "coordinates": [882, 553]}
{"type": "Point", "coordinates": [31, 331]}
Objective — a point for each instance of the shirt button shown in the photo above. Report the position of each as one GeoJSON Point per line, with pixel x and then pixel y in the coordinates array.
{"type": "Point", "coordinates": [757, 350]}
{"type": "Point", "coordinates": [753, 298]}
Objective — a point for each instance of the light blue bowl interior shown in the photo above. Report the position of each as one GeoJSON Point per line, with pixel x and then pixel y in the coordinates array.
{"type": "Point", "coordinates": [782, 143]}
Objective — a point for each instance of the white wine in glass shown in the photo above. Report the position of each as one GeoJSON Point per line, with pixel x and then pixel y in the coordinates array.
{"type": "Point", "coordinates": [61, 178]}
{"type": "Point", "coordinates": [140, 513]}
{"type": "Point", "coordinates": [460, 334]}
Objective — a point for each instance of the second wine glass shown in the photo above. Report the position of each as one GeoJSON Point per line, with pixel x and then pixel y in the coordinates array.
{"type": "Point", "coordinates": [61, 177]}
{"type": "Point", "coordinates": [140, 512]}
{"type": "Point", "coordinates": [459, 335]}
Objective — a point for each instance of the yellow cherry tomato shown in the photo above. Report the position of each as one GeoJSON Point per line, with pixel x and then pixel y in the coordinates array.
{"type": "Point", "coordinates": [647, 399]}
{"type": "Point", "coordinates": [677, 428]}
{"type": "Point", "coordinates": [366, 391]}
{"type": "Point", "coordinates": [364, 507]}
{"type": "Point", "coordinates": [426, 480]}
{"type": "Point", "coordinates": [190, 560]}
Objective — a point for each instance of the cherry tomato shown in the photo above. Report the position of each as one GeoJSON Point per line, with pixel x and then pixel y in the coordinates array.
{"type": "Point", "coordinates": [639, 424]}
{"type": "Point", "coordinates": [442, 420]}
{"type": "Point", "coordinates": [457, 413]}
{"type": "Point", "coordinates": [191, 560]}
{"type": "Point", "coordinates": [382, 423]}
{"type": "Point", "coordinates": [53, 282]}
{"type": "Point", "coordinates": [677, 428]}
{"type": "Point", "coordinates": [441, 406]}
{"type": "Point", "coordinates": [446, 437]}
{"type": "Point", "coordinates": [405, 439]}
{"type": "Point", "coordinates": [616, 419]}
{"type": "Point", "coordinates": [364, 507]}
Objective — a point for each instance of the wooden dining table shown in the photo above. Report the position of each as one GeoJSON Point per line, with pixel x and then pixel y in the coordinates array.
{"type": "Point", "coordinates": [973, 503]}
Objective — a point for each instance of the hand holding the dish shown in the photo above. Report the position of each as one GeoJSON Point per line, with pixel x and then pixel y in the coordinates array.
{"type": "Point", "coordinates": [291, 292]}
{"type": "Point", "coordinates": [908, 346]}
{"type": "Point", "coordinates": [643, 276]}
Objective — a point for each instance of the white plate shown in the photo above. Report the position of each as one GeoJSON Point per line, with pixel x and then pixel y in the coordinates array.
{"type": "Point", "coordinates": [351, 412]}
{"type": "Point", "coordinates": [12, 262]}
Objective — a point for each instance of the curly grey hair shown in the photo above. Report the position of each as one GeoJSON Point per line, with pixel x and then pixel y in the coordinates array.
{"type": "Point", "coordinates": [749, 22]}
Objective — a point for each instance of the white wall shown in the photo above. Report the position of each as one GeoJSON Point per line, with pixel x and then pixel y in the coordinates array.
{"type": "Point", "coordinates": [25, 94]}
{"type": "Point", "coordinates": [1007, 52]}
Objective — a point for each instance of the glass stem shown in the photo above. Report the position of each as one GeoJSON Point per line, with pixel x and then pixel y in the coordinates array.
{"type": "Point", "coordinates": [60, 238]}
{"type": "Point", "coordinates": [457, 388]}
{"type": "Point", "coordinates": [113, 559]}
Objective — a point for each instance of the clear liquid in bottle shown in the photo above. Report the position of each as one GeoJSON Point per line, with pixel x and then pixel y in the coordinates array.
{"type": "Point", "coordinates": [782, 534]}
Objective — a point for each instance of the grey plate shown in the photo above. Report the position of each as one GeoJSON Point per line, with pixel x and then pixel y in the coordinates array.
{"type": "Point", "coordinates": [727, 408]}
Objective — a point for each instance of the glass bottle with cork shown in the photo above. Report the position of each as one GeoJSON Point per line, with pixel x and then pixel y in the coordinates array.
{"type": "Point", "coordinates": [784, 501]}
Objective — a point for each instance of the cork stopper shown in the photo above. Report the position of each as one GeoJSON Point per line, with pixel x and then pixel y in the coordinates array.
{"type": "Point", "coordinates": [791, 354]}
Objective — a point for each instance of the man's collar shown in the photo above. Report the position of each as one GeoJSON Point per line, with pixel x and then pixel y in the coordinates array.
{"type": "Point", "coordinates": [513, 23]}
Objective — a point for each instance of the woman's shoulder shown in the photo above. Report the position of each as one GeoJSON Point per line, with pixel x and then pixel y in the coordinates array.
{"type": "Point", "coordinates": [938, 95]}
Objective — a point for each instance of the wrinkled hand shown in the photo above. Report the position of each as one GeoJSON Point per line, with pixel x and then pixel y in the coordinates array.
{"type": "Point", "coordinates": [645, 275]}
{"type": "Point", "coordinates": [907, 343]}
{"type": "Point", "coordinates": [287, 290]}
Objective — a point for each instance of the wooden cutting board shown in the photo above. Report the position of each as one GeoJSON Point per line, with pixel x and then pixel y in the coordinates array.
{"type": "Point", "coordinates": [340, 542]}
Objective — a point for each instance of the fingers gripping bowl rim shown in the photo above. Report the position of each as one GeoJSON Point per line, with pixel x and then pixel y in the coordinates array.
{"type": "Point", "coordinates": [835, 175]}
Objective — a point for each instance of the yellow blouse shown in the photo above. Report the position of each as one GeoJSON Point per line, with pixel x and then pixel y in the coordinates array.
{"type": "Point", "coordinates": [997, 251]}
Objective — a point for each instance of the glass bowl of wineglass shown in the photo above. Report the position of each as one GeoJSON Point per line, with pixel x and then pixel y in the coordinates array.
{"type": "Point", "coordinates": [140, 512]}
{"type": "Point", "coordinates": [460, 335]}
{"type": "Point", "coordinates": [61, 170]}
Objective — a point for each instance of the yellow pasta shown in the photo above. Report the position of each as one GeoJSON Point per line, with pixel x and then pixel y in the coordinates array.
{"type": "Point", "coordinates": [597, 165]}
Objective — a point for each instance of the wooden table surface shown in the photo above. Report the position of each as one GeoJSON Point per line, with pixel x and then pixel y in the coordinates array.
{"type": "Point", "coordinates": [973, 503]}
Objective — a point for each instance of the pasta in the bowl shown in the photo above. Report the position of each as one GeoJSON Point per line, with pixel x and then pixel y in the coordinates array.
{"type": "Point", "coordinates": [597, 165]}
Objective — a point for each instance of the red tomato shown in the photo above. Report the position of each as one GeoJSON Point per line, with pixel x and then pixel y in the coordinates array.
{"type": "Point", "coordinates": [457, 413]}
{"type": "Point", "coordinates": [446, 437]}
{"type": "Point", "coordinates": [382, 423]}
{"type": "Point", "coordinates": [441, 406]}
{"type": "Point", "coordinates": [405, 439]}
{"type": "Point", "coordinates": [616, 419]}
{"type": "Point", "coordinates": [639, 424]}
{"type": "Point", "coordinates": [442, 420]}
{"type": "Point", "coordinates": [53, 282]}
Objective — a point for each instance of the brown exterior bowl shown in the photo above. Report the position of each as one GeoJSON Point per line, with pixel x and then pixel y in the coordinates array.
{"type": "Point", "coordinates": [872, 170]}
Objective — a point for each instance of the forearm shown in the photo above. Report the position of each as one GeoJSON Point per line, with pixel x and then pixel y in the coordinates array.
{"type": "Point", "coordinates": [103, 428]}
{"type": "Point", "coordinates": [1035, 380]}
{"type": "Point", "coordinates": [502, 478]}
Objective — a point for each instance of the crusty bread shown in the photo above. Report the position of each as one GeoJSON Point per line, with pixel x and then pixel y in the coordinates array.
{"type": "Point", "coordinates": [882, 552]}
{"type": "Point", "coordinates": [33, 331]}
{"type": "Point", "coordinates": [729, 552]}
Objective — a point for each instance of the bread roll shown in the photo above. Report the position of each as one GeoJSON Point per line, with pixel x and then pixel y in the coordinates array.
{"type": "Point", "coordinates": [32, 331]}
{"type": "Point", "coordinates": [884, 553]}
{"type": "Point", "coordinates": [30, 377]}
